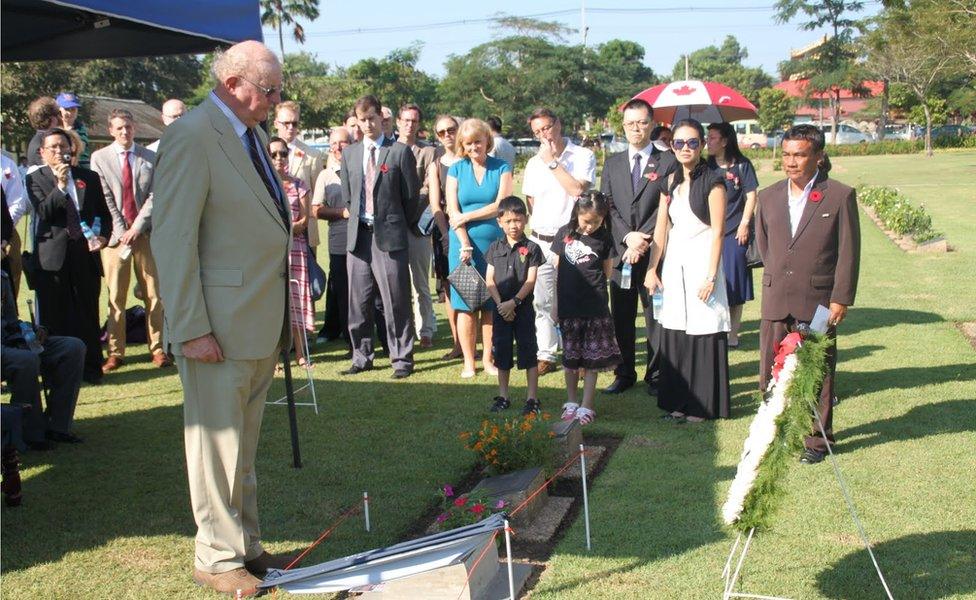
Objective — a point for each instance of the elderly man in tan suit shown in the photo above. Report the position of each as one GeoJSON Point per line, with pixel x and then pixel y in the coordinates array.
{"type": "Point", "coordinates": [808, 234]}
{"type": "Point", "coordinates": [126, 171]}
{"type": "Point", "coordinates": [221, 233]}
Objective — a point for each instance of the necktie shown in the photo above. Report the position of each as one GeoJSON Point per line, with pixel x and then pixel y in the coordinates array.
{"type": "Point", "coordinates": [370, 179]}
{"type": "Point", "coordinates": [129, 210]}
{"type": "Point", "coordinates": [252, 146]}
{"type": "Point", "coordinates": [635, 174]}
{"type": "Point", "coordinates": [73, 219]}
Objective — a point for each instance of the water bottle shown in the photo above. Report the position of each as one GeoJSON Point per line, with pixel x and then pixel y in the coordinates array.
{"type": "Point", "coordinates": [30, 338]}
{"type": "Point", "coordinates": [658, 301]}
{"type": "Point", "coordinates": [87, 231]}
{"type": "Point", "coordinates": [625, 276]}
{"type": "Point", "coordinates": [97, 226]}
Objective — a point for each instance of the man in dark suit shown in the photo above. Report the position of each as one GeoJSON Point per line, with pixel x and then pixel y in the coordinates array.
{"type": "Point", "coordinates": [69, 270]}
{"type": "Point", "coordinates": [381, 189]}
{"type": "Point", "coordinates": [627, 178]}
{"type": "Point", "coordinates": [808, 233]}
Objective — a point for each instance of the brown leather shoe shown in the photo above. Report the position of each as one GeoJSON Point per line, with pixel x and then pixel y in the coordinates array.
{"type": "Point", "coordinates": [160, 359]}
{"type": "Point", "coordinates": [229, 582]}
{"type": "Point", "coordinates": [546, 366]}
{"type": "Point", "coordinates": [260, 565]}
{"type": "Point", "coordinates": [112, 363]}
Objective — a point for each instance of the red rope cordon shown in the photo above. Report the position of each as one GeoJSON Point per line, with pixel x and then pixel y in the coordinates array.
{"type": "Point", "coordinates": [478, 560]}
{"type": "Point", "coordinates": [324, 535]}
{"type": "Point", "coordinates": [568, 464]}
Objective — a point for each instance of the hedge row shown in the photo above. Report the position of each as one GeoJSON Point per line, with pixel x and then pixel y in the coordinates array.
{"type": "Point", "coordinates": [897, 213]}
{"type": "Point", "coordinates": [882, 147]}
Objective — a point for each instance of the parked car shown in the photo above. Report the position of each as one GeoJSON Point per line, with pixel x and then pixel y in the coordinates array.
{"type": "Point", "coordinates": [902, 132]}
{"type": "Point", "coordinates": [750, 135]}
{"type": "Point", "coordinates": [846, 134]}
{"type": "Point", "coordinates": [950, 131]}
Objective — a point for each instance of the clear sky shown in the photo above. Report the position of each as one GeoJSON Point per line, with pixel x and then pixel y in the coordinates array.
{"type": "Point", "coordinates": [347, 31]}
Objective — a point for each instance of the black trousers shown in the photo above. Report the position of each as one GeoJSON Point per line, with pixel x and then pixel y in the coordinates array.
{"type": "Point", "coordinates": [336, 321]}
{"type": "Point", "coordinates": [67, 302]}
{"type": "Point", "coordinates": [61, 364]}
{"type": "Point", "coordinates": [623, 307]}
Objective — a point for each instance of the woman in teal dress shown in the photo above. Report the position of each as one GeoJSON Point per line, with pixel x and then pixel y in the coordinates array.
{"type": "Point", "coordinates": [475, 185]}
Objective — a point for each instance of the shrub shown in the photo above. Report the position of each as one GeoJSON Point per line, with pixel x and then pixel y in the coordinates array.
{"type": "Point", "coordinates": [504, 445]}
{"type": "Point", "coordinates": [897, 213]}
{"type": "Point", "coordinates": [465, 509]}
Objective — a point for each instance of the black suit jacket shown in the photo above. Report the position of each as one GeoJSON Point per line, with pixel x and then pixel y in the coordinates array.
{"type": "Point", "coordinates": [630, 209]}
{"type": "Point", "coordinates": [51, 225]}
{"type": "Point", "coordinates": [396, 193]}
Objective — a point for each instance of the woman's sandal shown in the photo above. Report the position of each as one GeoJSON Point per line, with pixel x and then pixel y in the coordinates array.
{"type": "Point", "coordinates": [585, 416]}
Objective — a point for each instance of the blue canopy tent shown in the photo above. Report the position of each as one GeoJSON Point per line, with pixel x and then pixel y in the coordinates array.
{"type": "Point", "coordinates": [83, 29]}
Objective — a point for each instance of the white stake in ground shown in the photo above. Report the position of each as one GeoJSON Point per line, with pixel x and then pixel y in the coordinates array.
{"type": "Point", "coordinates": [366, 509]}
{"type": "Point", "coordinates": [586, 498]}
{"type": "Point", "coordinates": [508, 551]}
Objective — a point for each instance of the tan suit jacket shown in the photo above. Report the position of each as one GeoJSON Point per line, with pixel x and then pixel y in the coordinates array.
{"type": "Point", "coordinates": [106, 163]}
{"type": "Point", "coordinates": [818, 265]}
{"type": "Point", "coordinates": [220, 244]}
{"type": "Point", "coordinates": [306, 163]}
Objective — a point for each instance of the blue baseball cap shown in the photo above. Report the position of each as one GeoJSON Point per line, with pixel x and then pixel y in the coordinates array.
{"type": "Point", "coordinates": [68, 100]}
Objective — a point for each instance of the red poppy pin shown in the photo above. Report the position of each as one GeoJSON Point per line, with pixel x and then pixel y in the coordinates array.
{"type": "Point", "coordinates": [816, 196]}
{"type": "Point", "coordinates": [567, 239]}
{"type": "Point", "coordinates": [384, 168]}
{"type": "Point", "coordinates": [523, 252]}
{"type": "Point", "coordinates": [730, 176]}
{"type": "Point", "coordinates": [299, 153]}
{"type": "Point", "coordinates": [80, 184]}
{"type": "Point", "coordinates": [652, 176]}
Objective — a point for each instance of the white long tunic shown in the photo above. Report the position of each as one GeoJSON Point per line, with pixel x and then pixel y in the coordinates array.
{"type": "Point", "coordinates": [684, 271]}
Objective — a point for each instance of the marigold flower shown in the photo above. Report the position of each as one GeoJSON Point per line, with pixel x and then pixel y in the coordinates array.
{"type": "Point", "coordinates": [464, 435]}
{"type": "Point", "coordinates": [479, 445]}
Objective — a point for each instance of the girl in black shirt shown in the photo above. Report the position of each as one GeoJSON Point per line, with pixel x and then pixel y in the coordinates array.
{"type": "Point", "coordinates": [583, 250]}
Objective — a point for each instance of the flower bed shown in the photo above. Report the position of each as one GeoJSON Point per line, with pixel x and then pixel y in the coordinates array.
{"type": "Point", "coordinates": [897, 214]}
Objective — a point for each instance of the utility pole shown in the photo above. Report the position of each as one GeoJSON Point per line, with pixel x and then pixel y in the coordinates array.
{"type": "Point", "coordinates": [686, 68]}
{"type": "Point", "coordinates": [583, 27]}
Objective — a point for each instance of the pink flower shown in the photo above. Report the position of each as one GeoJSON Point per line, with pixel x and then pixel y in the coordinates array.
{"type": "Point", "coordinates": [500, 505]}
{"type": "Point", "coordinates": [448, 491]}
{"type": "Point", "coordinates": [816, 196]}
{"type": "Point", "coordinates": [384, 168]}
{"type": "Point", "coordinates": [443, 517]}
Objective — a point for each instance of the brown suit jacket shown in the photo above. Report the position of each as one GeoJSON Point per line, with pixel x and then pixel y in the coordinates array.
{"type": "Point", "coordinates": [818, 265]}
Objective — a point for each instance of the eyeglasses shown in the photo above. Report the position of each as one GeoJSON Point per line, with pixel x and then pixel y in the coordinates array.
{"type": "Point", "coordinates": [280, 154]}
{"type": "Point", "coordinates": [642, 124]}
{"type": "Point", "coordinates": [693, 143]}
{"type": "Point", "coordinates": [289, 124]}
{"type": "Point", "coordinates": [448, 131]}
{"type": "Point", "coordinates": [542, 130]}
{"type": "Point", "coordinates": [267, 91]}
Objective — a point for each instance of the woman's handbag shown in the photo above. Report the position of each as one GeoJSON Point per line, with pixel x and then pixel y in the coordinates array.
{"type": "Point", "coordinates": [753, 258]}
{"type": "Point", "coordinates": [470, 285]}
{"type": "Point", "coordinates": [316, 277]}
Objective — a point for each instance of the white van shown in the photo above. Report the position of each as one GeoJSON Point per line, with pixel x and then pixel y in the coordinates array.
{"type": "Point", "coordinates": [749, 134]}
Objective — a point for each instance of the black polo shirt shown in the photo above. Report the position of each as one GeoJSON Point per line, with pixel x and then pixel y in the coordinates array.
{"type": "Point", "coordinates": [511, 264]}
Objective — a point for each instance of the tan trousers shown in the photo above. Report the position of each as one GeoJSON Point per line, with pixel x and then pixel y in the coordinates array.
{"type": "Point", "coordinates": [223, 404]}
{"type": "Point", "coordinates": [117, 278]}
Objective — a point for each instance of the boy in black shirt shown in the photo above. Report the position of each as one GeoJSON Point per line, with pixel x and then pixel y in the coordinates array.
{"type": "Point", "coordinates": [513, 262]}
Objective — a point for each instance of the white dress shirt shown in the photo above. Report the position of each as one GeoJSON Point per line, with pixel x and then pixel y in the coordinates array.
{"type": "Point", "coordinates": [798, 203]}
{"type": "Point", "coordinates": [13, 189]}
{"type": "Point", "coordinates": [551, 205]}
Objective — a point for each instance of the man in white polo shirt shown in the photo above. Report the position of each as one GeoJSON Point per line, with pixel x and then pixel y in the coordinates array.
{"type": "Point", "coordinates": [554, 178]}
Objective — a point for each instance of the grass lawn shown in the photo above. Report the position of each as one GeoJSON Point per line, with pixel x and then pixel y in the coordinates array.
{"type": "Point", "coordinates": [111, 517]}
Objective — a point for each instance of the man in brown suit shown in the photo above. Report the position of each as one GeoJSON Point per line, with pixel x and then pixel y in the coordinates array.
{"type": "Point", "coordinates": [809, 236]}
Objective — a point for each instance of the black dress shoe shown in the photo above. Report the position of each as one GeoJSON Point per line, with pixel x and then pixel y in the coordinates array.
{"type": "Point", "coordinates": [812, 457]}
{"type": "Point", "coordinates": [62, 438]}
{"type": "Point", "coordinates": [354, 370]}
{"type": "Point", "coordinates": [402, 373]}
{"type": "Point", "coordinates": [619, 386]}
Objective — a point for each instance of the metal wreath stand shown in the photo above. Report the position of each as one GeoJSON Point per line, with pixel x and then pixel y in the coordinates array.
{"type": "Point", "coordinates": [732, 577]}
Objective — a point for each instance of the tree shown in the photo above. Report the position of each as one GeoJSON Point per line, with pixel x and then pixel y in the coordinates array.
{"type": "Point", "coordinates": [278, 13]}
{"type": "Point", "coordinates": [724, 65]}
{"type": "Point", "coordinates": [832, 67]}
{"type": "Point", "coordinates": [775, 110]}
{"type": "Point", "coordinates": [904, 48]}
{"type": "Point", "coordinates": [395, 79]}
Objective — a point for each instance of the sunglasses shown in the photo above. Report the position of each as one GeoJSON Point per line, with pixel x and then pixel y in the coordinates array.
{"type": "Point", "coordinates": [280, 154]}
{"type": "Point", "coordinates": [448, 131]}
{"type": "Point", "coordinates": [693, 143]}
{"type": "Point", "coordinates": [267, 91]}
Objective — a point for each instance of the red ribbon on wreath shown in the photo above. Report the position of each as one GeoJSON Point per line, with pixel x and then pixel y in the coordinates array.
{"type": "Point", "coordinates": [788, 346]}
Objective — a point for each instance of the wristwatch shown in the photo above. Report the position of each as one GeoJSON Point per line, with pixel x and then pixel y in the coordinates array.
{"type": "Point", "coordinates": [710, 279]}
{"type": "Point", "coordinates": [517, 300]}
{"type": "Point", "coordinates": [553, 165]}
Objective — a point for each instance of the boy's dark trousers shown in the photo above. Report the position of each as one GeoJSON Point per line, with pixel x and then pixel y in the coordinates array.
{"type": "Point", "coordinates": [521, 331]}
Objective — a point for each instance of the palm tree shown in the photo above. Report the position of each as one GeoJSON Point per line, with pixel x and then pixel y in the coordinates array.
{"type": "Point", "coordinates": [276, 13]}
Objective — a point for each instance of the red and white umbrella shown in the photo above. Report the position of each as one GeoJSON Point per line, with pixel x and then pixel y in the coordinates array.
{"type": "Point", "coordinates": [704, 101]}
